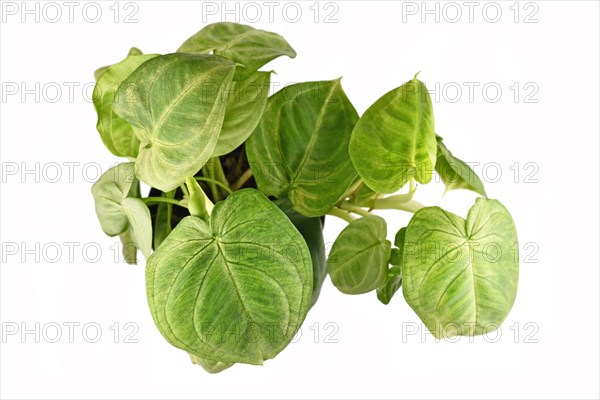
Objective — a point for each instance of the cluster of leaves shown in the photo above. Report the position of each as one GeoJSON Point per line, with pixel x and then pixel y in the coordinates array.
{"type": "Point", "coordinates": [240, 184]}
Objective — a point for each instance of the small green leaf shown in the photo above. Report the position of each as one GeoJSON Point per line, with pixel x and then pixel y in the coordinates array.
{"type": "Point", "coordinates": [116, 134]}
{"type": "Point", "coordinates": [394, 140]}
{"type": "Point", "coordinates": [235, 289]}
{"type": "Point", "coordinates": [245, 107]}
{"type": "Point", "coordinates": [120, 213]}
{"type": "Point", "coordinates": [455, 173]}
{"type": "Point", "coordinates": [140, 224]}
{"type": "Point", "coordinates": [358, 260]}
{"type": "Point", "coordinates": [461, 276]}
{"type": "Point", "coordinates": [300, 147]}
{"type": "Point", "coordinates": [129, 248]}
{"type": "Point", "coordinates": [311, 229]}
{"type": "Point", "coordinates": [393, 282]}
{"type": "Point", "coordinates": [249, 47]}
{"type": "Point", "coordinates": [176, 104]}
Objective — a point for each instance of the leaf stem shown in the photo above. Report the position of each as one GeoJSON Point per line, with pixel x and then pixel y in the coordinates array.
{"type": "Point", "coordinates": [397, 202]}
{"type": "Point", "coordinates": [345, 215]}
{"type": "Point", "coordinates": [216, 182]}
{"type": "Point", "coordinates": [242, 180]}
{"type": "Point", "coordinates": [154, 200]}
{"type": "Point", "coordinates": [184, 190]}
{"type": "Point", "coordinates": [355, 209]}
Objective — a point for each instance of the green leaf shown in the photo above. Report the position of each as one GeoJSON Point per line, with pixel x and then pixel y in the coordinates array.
{"type": "Point", "coordinates": [311, 229]}
{"type": "Point", "coordinates": [119, 212]}
{"type": "Point", "coordinates": [245, 107]}
{"type": "Point", "coordinates": [251, 48]}
{"type": "Point", "coordinates": [233, 290]}
{"type": "Point", "coordinates": [129, 248]}
{"type": "Point", "coordinates": [455, 173]}
{"type": "Point", "coordinates": [461, 276]}
{"type": "Point", "coordinates": [300, 147]}
{"type": "Point", "coordinates": [394, 140]}
{"type": "Point", "coordinates": [116, 134]}
{"type": "Point", "coordinates": [176, 104]}
{"type": "Point", "coordinates": [358, 260]}
{"type": "Point", "coordinates": [393, 282]}
{"type": "Point", "coordinates": [140, 224]}
{"type": "Point", "coordinates": [212, 366]}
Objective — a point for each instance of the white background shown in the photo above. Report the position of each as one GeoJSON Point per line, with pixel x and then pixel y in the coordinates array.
{"type": "Point", "coordinates": [549, 344]}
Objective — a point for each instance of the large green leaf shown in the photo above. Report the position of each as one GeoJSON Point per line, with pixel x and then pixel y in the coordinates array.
{"type": "Point", "coordinates": [300, 147]}
{"type": "Point", "coordinates": [119, 212]}
{"type": "Point", "coordinates": [117, 135]}
{"type": "Point", "coordinates": [394, 140]}
{"type": "Point", "coordinates": [455, 173]}
{"type": "Point", "coordinates": [358, 261]}
{"type": "Point", "coordinates": [251, 48]}
{"type": "Point", "coordinates": [461, 276]}
{"type": "Point", "coordinates": [311, 229]}
{"type": "Point", "coordinates": [244, 109]}
{"type": "Point", "coordinates": [233, 290]}
{"type": "Point", "coordinates": [176, 104]}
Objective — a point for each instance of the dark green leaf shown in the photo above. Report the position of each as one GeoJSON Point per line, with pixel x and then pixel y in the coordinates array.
{"type": "Point", "coordinates": [311, 229]}
{"type": "Point", "coordinates": [300, 147]}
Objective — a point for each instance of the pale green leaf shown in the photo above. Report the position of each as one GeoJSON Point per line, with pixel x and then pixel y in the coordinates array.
{"type": "Point", "coordinates": [176, 104]}
{"type": "Point", "coordinates": [249, 47]}
{"type": "Point", "coordinates": [245, 107]}
{"type": "Point", "coordinates": [358, 261]}
{"type": "Point", "coordinates": [394, 140]}
{"type": "Point", "coordinates": [233, 290]}
{"type": "Point", "coordinates": [120, 212]}
{"type": "Point", "coordinates": [116, 134]}
{"type": "Point", "coordinates": [392, 283]}
{"type": "Point", "coordinates": [455, 173]}
{"type": "Point", "coordinates": [461, 276]}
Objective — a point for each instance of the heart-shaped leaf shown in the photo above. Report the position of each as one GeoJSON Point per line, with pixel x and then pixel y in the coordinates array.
{"type": "Point", "coordinates": [233, 290]}
{"type": "Point", "coordinates": [394, 140]}
{"type": "Point", "coordinates": [358, 261]}
{"type": "Point", "coordinates": [300, 147]}
{"type": "Point", "coordinates": [455, 173]}
{"type": "Point", "coordinates": [119, 212]}
{"type": "Point", "coordinates": [245, 107]}
{"type": "Point", "coordinates": [461, 276]}
{"type": "Point", "coordinates": [116, 134]}
{"type": "Point", "coordinates": [251, 48]}
{"type": "Point", "coordinates": [176, 104]}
